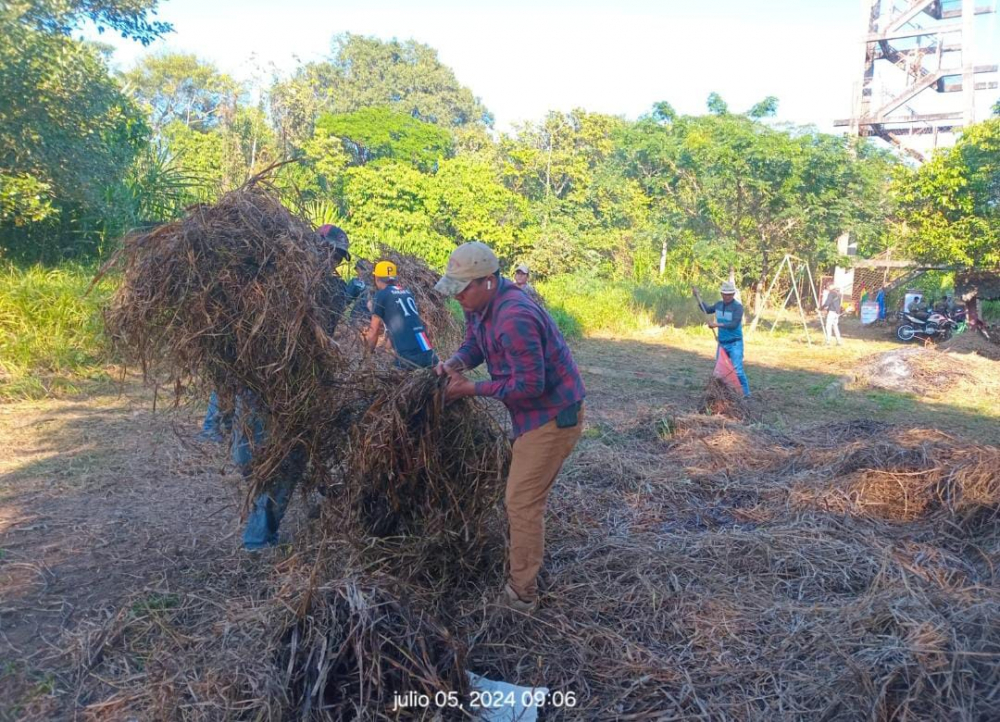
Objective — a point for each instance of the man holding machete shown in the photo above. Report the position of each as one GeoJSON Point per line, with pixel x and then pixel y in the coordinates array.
{"type": "Point", "coordinates": [533, 373]}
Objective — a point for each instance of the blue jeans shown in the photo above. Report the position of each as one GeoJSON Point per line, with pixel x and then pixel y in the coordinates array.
{"type": "Point", "coordinates": [269, 507]}
{"type": "Point", "coordinates": [735, 351]}
{"type": "Point", "coordinates": [217, 423]}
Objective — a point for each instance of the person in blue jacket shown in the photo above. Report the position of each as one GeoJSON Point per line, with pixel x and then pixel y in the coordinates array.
{"type": "Point", "coordinates": [729, 322]}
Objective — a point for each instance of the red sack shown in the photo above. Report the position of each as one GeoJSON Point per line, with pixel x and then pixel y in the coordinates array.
{"type": "Point", "coordinates": [725, 372]}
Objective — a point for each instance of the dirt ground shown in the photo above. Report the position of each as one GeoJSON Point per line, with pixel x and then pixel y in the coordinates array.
{"type": "Point", "coordinates": [107, 506]}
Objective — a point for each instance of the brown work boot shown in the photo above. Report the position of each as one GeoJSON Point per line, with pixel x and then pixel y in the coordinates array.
{"type": "Point", "coordinates": [511, 600]}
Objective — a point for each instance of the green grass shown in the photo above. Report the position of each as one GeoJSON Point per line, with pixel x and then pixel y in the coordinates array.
{"type": "Point", "coordinates": [584, 305]}
{"type": "Point", "coordinates": [990, 311]}
{"type": "Point", "coordinates": [892, 402]}
{"type": "Point", "coordinates": [51, 334]}
{"type": "Point", "coordinates": [155, 603]}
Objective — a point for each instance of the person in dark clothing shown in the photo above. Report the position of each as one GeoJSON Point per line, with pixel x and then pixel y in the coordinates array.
{"type": "Point", "coordinates": [395, 310]}
{"type": "Point", "coordinates": [729, 321]}
{"type": "Point", "coordinates": [921, 308]}
{"type": "Point", "coordinates": [269, 507]}
{"type": "Point", "coordinates": [359, 295]}
{"type": "Point", "coordinates": [333, 295]}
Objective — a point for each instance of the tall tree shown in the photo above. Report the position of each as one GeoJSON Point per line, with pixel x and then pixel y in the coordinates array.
{"type": "Point", "coordinates": [180, 87]}
{"type": "Point", "coordinates": [365, 72]}
{"type": "Point", "coordinates": [558, 157]}
{"type": "Point", "coordinates": [130, 18]}
{"type": "Point", "coordinates": [370, 134]}
{"type": "Point", "coordinates": [754, 192]}
{"type": "Point", "coordinates": [69, 138]}
{"type": "Point", "coordinates": [66, 130]}
{"type": "Point", "coordinates": [950, 206]}
{"type": "Point", "coordinates": [396, 203]}
{"type": "Point", "coordinates": [473, 205]}
{"type": "Point", "coordinates": [223, 157]}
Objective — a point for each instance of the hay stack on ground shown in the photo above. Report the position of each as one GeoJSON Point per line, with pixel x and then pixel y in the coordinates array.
{"type": "Point", "coordinates": [336, 649]}
{"type": "Point", "coordinates": [360, 645]}
{"type": "Point", "coordinates": [912, 369]}
{"type": "Point", "coordinates": [237, 297]}
{"type": "Point", "coordinates": [725, 572]}
{"type": "Point", "coordinates": [719, 398]}
{"type": "Point", "coordinates": [971, 342]}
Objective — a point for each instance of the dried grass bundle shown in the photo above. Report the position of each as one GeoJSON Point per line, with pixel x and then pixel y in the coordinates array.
{"type": "Point", "coordinates": [359, 648]}
{"type": "Point", "coordinates": [240, 296]}
{"type": "Point", "coordinates": [426, 480]}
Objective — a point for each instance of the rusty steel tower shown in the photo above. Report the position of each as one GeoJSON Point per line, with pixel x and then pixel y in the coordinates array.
{"type": "Point", "coordinates": [919, 77]}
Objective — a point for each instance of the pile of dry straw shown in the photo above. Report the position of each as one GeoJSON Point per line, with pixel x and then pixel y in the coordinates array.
{"type": "Point", "coordinates": [698, 567]}
{"type": "Point", "coordinates": [236, 297]}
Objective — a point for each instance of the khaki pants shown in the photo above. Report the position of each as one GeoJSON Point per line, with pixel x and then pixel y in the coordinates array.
{"type": "Point", "coordinates": [538, 457]}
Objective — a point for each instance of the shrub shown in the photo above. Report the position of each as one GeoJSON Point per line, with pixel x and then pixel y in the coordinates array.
{"type": "Point", "coordinates": [50, 333]}
{"type": "Point", "coordinates": [583, 304]}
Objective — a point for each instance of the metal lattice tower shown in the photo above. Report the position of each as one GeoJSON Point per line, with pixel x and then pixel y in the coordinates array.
{"type": "Point", "coordinates": [919, 78]}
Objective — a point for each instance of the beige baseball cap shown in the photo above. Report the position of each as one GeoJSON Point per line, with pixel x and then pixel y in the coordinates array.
{"type": "Point", "coordinates": [523, 268]}
{"type": "Point", "coordinates": [467, 263]}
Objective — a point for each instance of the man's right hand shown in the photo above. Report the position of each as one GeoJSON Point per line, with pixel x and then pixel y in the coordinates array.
{"type": "Point", "coordinates": [446, 367]}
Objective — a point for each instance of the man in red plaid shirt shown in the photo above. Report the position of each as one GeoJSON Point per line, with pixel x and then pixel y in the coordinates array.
{"type": "Point", "coordinates": [533, 373]}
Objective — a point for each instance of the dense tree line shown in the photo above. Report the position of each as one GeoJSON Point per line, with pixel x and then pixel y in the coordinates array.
{"type": "Point", "coordinates": [390, 145]}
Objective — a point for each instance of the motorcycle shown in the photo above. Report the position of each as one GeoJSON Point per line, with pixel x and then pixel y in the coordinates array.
{"type": "Point", "coordinates": [921, 326]}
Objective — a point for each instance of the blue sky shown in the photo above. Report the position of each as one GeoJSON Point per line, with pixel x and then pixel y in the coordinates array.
{"type": "Point", "coordinates": [525, 58]}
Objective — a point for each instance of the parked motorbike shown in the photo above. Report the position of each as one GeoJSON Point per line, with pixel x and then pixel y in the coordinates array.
{"type": "Point", "coordinates": [921, 326]}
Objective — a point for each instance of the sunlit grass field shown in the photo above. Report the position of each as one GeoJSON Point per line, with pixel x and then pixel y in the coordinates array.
{"type": "Point", "coordinates": [51, 330]}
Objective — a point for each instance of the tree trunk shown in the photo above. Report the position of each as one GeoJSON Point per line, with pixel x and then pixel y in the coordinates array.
{"type": "Point", "coordinates": [761, 283]}
{"type": "Point", "coordinates": [663, 257]}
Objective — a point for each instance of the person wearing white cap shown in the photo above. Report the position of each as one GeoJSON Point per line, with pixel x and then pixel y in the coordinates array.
{"type": "Point", "coordinates": [729, 321]}
{"type": "Point", "coordinates": [521, 276]}
{"type": "Point", "coordinates": [533, 374]}
{"type": "Point", "coordinates": [521, 281]}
